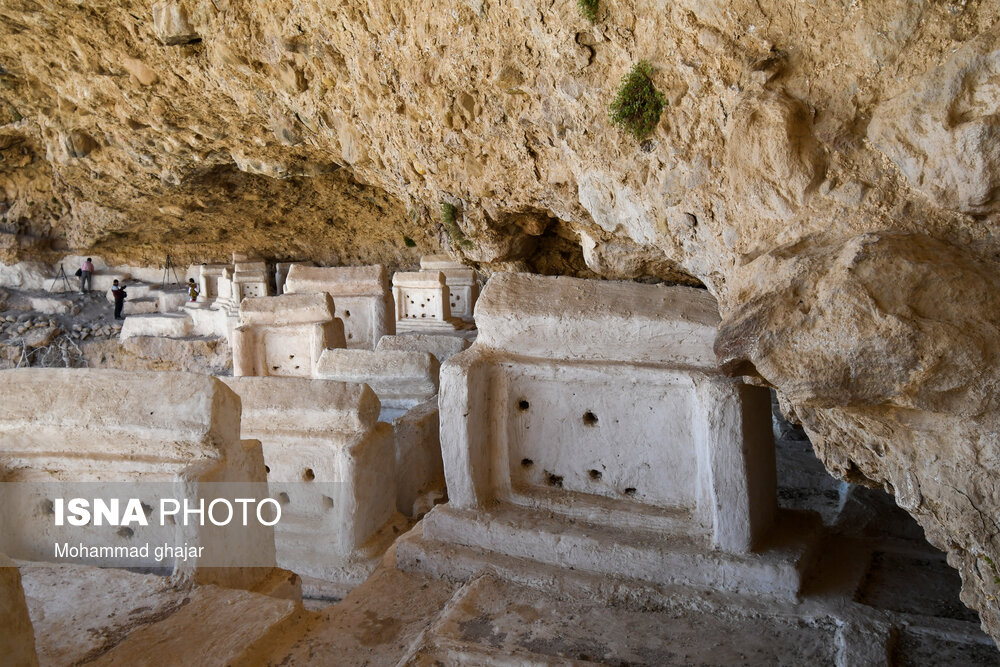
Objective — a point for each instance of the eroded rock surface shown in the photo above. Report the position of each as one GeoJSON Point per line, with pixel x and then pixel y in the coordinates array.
{"type": "Point", "coordinates": [828, 170]}
{"type": "Point", "coordinates": [887, 348]}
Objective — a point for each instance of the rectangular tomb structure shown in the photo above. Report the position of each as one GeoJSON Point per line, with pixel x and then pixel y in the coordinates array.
{"type": "Point", "coordinates": [208, 279]}
{"type": "Point", "coordinates": [331, 463]}
{"type": "Point", "coordinates": [361, 296]}
{"type": "Point", "coordinates": [124, 437]}
{"type": "Point", "coordinates": [250, 279]}
{"type": "Point", "coordinates": [589, 415]}
{"type": "Point", "coordinates": [400, 379]}
{"type": "Point", "coordinates": [224, 293]}
{"type": "Point", "coordinates": [281, 270]}
{"type": "Point", "coordinates": [422, 302]}
{"type": "Point", "coordinates": [463, 287]}
{"type": "Point", "coordinates": [406, 383]}
{"type": "Point", "coordinates": [284, 335]}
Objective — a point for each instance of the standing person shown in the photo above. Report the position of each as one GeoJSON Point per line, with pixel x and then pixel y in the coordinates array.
{"type": "Point", "coordinates": [118, 291]}
{"type": "Point", "coordinates": [86, 271]}
{"type": "Point", "coordinates": [192, 290]}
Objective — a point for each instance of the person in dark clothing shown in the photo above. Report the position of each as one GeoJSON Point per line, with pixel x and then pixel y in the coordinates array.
{"type": "Point", "coordinates": [118, 291]}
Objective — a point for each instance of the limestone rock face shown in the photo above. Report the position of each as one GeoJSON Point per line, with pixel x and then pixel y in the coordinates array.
{"type": "Point", "coordinates": [887, 347]}
{"type": "Point", "coordinates": [944, 133]}
{"type": "Point", "coordinates": [773, 158]}
{"type": "Point", "coordinates": [827, 170]}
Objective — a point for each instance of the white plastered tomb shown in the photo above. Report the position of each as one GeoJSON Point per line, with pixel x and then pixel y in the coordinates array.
{"type": "Point", "coordinates": [589, 428]}
{"type": "Point", "coordinates": [406, 383]}
{"type": "Point", "coordinates": [250, 279]}
{"type": "Point", "coordinates": [400, 379]}
{"type": "Point", "coordinates": [331, 462]}
{"type": "Point", "coordinates": [208, 281]}
{"type": "Point", "coordinates": [281, 270]}
{"type": "Point", "coordinates": [423, 302]}
{"type": "Point", "coordinates": [463, 287]}
{"type": "Point", "coordinates": [361, 296]}
{"type": "Point", "coordinates": [102, 433]}
{"type": "Point", "coordinates": [284, 335]}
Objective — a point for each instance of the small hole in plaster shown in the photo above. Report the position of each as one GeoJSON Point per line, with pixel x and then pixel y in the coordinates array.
{"type": "Point", "coordinates": [527, 463]}
{"type": "Point", "coordinates": [350, 336]}
{"type": "Point", "coordinates": [291, 356]}
{"type": "Point", "coordinates": [308, 475]}
{"type": "Point", "coordinates": [328, 502]}
{"type": "Point", "coordinates": [523, 405]}
{"type": "Point", "coordinates": [125, 532]}
{"type": "Point", "coordinates": [589, 418]}
{"type": "Point", "coordinates": [267, 468]}
{"type": "Point", "coordinates": [595, 475]}
{"type": "Point", "coordinates": [283, 498]}
{"type": "Point", "coordinates": [347, 313]}
{"type": "Point", "coordinates": [296, 368]}
{"type": "Point", "coordinates": [630, 491]}
{"type": "Point", "coordinates": [554, 480]}
{"type": "Point", "coordinates": [273, 368]}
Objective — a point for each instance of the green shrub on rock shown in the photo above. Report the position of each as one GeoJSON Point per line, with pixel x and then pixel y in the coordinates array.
{"type": "Point", "coordinates": [588, 8]}
{"type": "Point", "coordinates": [638, 104]}
{"type": "Point", "coordinates": [449, 215]}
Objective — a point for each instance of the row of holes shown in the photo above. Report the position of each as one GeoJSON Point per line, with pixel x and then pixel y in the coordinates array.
{"type": "Point", "coordinates": [285, 499]}
{"type": "Point", "coordinates": [589, 418]}
{"type": "Point", "coordinates": [307, 475]}
{"type": "Point", "coordinates": [553, 479]}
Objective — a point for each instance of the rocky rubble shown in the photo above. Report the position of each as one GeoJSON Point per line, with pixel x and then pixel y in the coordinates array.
{"type": "Point", "coordinates": [32, 338]}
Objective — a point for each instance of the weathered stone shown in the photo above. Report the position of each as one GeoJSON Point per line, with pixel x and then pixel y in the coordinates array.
{"type": "Point", "coordinates": [170, 20]}
{"type": "Point", "coordinates": [886, 346]}
{"type": "Point", "coordinates": [441, 346]}
{"type": "Point", "coordinates": [944, 135]}
{"type": "Point", "coordinates": [17, 641]}
{"type": "Point", "coordinates": [502, 112]}
{"type": "Point", "coordinates": [401, 379]}
{"type": "Point", "coordinates": [773, 158]}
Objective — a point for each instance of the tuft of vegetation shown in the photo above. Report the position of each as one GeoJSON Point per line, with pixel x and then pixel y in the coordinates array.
{"type": "Point", "coordinates": [588, 8]}
{"type": "Point", "coordinates": [449, 217]}
{"type": "Point", "coordinates": [638, 104]}
{"type": "Point", "coordinates": [409, 243]}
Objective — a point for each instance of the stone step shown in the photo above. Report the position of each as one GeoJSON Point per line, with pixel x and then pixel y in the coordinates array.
{"type": "Point", "coordinates": [646, 556]}
{"type": "Point", "coordinates": [497, 622]}
{"type": "Point", "coordinates": [141, 306]}
{"type": "Point", "coordinates": [216, 626]}
{"type": "Point", "coordinates": [168, 325]}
